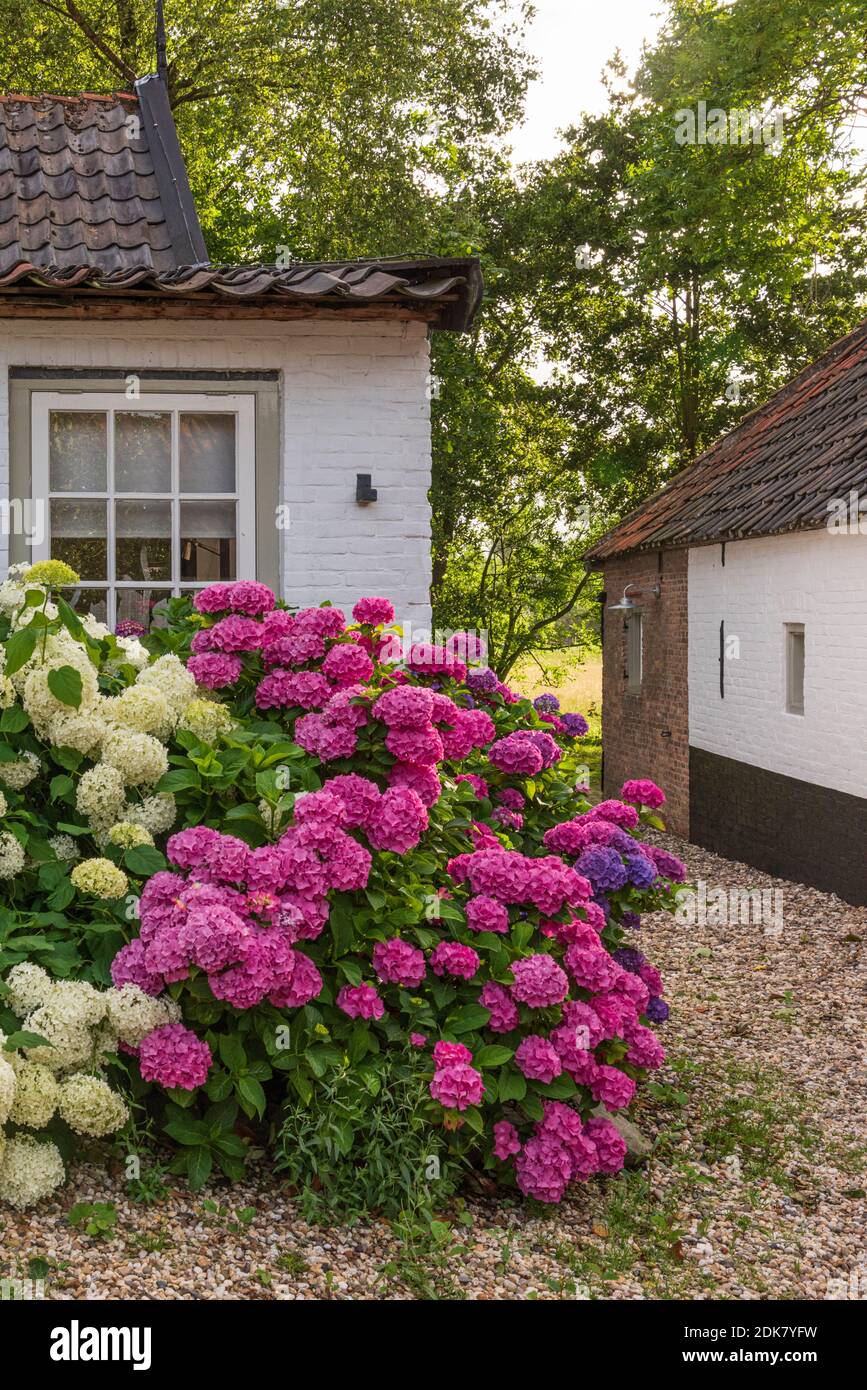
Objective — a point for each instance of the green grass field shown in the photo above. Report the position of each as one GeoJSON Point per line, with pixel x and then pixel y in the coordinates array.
{"type": "Point", "coordinates": [578, 686]}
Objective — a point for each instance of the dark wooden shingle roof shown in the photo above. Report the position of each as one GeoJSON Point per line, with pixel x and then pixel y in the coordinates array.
{"type": "Point", "coordinates": [96, 207]}
{"type": "Point", "coordinates": [776, 472]}
{"type": "Point", "coordinates": [94, 183]}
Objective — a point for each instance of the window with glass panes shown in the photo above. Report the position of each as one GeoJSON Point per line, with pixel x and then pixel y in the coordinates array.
{"type": "Point", "coordinates": [145, 498]}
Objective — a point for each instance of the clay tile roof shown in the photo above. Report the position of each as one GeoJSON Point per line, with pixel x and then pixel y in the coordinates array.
{"type": "Point", "coordinates": [776, 472]}
{"type": "Point", "coordinates": [96, 183]}
{"type": "Point", "coordinates": [95, 204]}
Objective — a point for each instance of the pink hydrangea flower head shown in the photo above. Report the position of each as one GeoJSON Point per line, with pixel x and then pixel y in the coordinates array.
{"type": "Point", "coordinates": [612, 1087]}
{"type": "Point", "coordinates": [174, 1057]}
{"type": "Point", "coordinates": [129, 967]}
{"type": "Point", "coordinates": [447, 1053]}
{"type": "Point", "coordinates": [615, 811]}
{"type": "Point", "coordinates": [506, 1140]}
{"type": "Point", "coordinates": [504, 1013]}
{"type": "Point", "coordinates": [539, 982]}
{"type": "Point", "coordinates": [236, 634]}
{"type": "Point", "coordinates": [609, 1144]}
{"type": "Point", "coordinates": [516, 754]}
{"type": "Point", "coordinates": [347, 664]}
{"type": "Point", "coordinates": [396, 962]}
{"type": "Point", "coordinates": [189, 849]}
{"type": "Point", "coordinates": [486, 914]}
{"type": "Point", "coordinates": [304, 984]}
{"type": "Point", "coordinates": [591, 967]}
{"type": "Point", "coordinates": [543, 1168]}
{"type": "Point", "coordinates": [418, 1039]}
{"type": "Point", "coordinates": [360, 1001]}
{"type": "Point", "coordinates": [214, 670]}
{"type": "Point", "coordinates": [249, 597]}
{"type": "Point", "coordinates": [295, 648]}
{"type": "Point", "coordinates": [642, 792]}
{"type": "Point", "coordinates": [227, 859]}
{"type": "Point", "coordinates": [424, 781]}
{"type": "Point", "coordinates": [453, 958]}
{"type": "Point", "coordinates": [423, 746]}
{"type": "Point", "coordinates": [511, 798]}
{"type": "Point", "coordinates": [405, 707]}
{"type": "Point", "coordinates": [564, 1124]}
{"type": "Point", "coordinates": [457, 1086]}
{"type": "Point", "coordinates": [281, 689]}
{"type": "Point", "coordinates": [373, 612]}
{"type": "Point", "coordinates": [214, 599]}
{"type": "Point", "coordinates": [398, 821]}
{"type": "Point", "coordinates": [359, 795]}
{"type": "Point", "coordinates": [538, 1059]}
{"type": "Point", "coordinates": [645, 1050]}
{"type": "Point", "coordinates": [324, 622]}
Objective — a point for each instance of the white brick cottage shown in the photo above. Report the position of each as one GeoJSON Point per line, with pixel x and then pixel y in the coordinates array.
{"type": "Point", "coordinates": [735, 635]}
{"type": "Point", "coordinates": [165, 422]}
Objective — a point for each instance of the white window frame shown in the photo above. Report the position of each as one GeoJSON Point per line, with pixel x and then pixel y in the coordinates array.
{"type": "Point", "coordinates": [243, 407]}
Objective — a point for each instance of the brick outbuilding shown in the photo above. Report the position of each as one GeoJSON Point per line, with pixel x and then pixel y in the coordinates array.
{"type": "Point", "coordinates": [735, 635]}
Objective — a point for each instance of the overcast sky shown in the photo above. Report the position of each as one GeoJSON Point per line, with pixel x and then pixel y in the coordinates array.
{"type": "Point", "coordinates": [572, 40]}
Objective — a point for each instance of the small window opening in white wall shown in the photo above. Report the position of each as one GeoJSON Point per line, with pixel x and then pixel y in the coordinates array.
{"type": "Point", "coordinates": [795, 668]}
{"type": "Point", "coordinates": [634, 653]}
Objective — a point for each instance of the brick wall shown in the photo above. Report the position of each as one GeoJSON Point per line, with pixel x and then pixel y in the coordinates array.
{"type": "Point", "coordinates": [647, 734]}
{"type": "Point", "coordinates": [353, 400]}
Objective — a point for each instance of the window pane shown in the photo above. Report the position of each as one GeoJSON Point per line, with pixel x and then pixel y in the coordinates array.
{"type": "Point", "coordinates": [142, 451]}
{"type": "Point", "coordinates": [79, 536]}
{"type": "Point", "coordinates": [144, 607]}
{"type": "Point", "coordinates": [93, 601]}
{"type": "Point", "coordinates": [207, 446]}
{"type": "Point", "coordinates": [77, 450]}
{"type": "Point", "coordinates": [143, 540]}
{"type": "Point", "coordinates": [207, 540]}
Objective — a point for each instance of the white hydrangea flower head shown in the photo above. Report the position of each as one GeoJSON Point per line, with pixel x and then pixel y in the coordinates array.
{"type": "Point", "coordinates": [83, 732]}
{"type": "Point", "coordinates": [43, 707]}
{"type": "Point", "coordinates": [99, 877]}
{"type": "Point", "coordinates": [29, 986]}
{"type": "Point", "coordinates": [36, 1095]}
{"type": "Point", "coordinates": [8, 693]}
{"type": "Point", "coordinates": [142, 708]}
{"type": "Point", "coordinates": [94, 628]}
{"type": "Point", "coordinates": [64, 847]}
{"type": "Point", "coordinates": [128, 835]}
{"type": "Point", "coordinates": [170, 675]}
{"type": "Point", "coordinates": [7, 1087]}
{"type": "Point", "coordinates": [78, 1001]}
{"type": "Point", "coordinates": [4, 805]}
{"type": "Point", "coordinates": [21, 772]}
{"type": "Point", "coordinates": [133, 1014]}
{"type": "Point", "coordinates": [89, 1105]}
{"type": "Point", "coordinates": [70, 1045]}
{"type": "Point", "coordinates": [100, 795]}
{"type": "Point", "coordinates": [30, 1171]}
{"type": "Point", "coordinates": [12, 856]}
{"type": "Point", "coordinates": [156, 813]}
{"type": "Point", "coordinates": [206, 719]}
{"type": "Point", "coordinates": [140, 758]}
{"type": "Point", "coordinates": [132, 653]}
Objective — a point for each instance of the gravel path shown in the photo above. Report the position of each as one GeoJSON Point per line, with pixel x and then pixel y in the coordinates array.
{"type": "Point", "coordinates": [755, 1188]}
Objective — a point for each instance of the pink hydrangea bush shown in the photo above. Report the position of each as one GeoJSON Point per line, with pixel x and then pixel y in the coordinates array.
{"type": "Point", "coordinates": [389, 851]}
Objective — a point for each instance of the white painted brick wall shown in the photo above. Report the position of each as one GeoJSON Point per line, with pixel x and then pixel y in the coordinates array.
{"type": "Point", "coordinates": [813, 578]}
{"type": "Point", "coordinates": [353, 400]}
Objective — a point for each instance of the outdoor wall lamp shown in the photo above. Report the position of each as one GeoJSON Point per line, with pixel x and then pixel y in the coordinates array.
{"type": "Point", "coordinates": [627, 604]}
{"type": "Point", "coordinates": [363, 490]}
